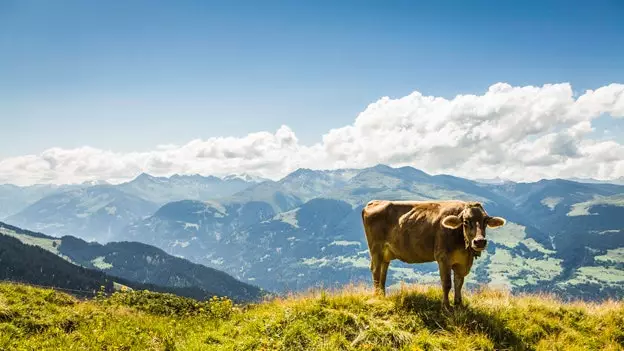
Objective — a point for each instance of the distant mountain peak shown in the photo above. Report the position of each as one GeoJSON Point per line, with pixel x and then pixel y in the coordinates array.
{"type": "Point", "coordinates": [299, 171]}
{"type": "Point", "coordinates": [95, 182]}
{"type": "Point", "coordinates": [244, 177]}
{"type": "Point", "coordinates": [381, 167]}
{"type": "Point", "coordinates": [196, 177]}
{"type": "Point", "coordinates": [618, 181]}
{"type": "Point", "coordinates": [405, 172]}
{"type": "Point", "coordinates": [145, 176]}
{"type": "Point", "coordinates": [177, 175]}
{"type": "Point", "coordinates": [496, 180]}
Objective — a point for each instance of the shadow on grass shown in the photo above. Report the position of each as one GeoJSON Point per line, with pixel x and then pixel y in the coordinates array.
{"type": "Point", "coordinates": [429, 309]}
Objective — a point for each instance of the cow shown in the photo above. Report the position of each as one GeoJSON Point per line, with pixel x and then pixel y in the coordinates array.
{"type": "Point", "coordinates": [450, 232]}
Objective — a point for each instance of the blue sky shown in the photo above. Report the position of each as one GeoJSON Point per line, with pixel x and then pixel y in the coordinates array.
{"type": "Point", "coordinates": [129, 75]}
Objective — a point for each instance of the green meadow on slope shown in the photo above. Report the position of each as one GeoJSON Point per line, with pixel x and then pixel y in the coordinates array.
{"type": "Point", "coordinates": [350, 319]}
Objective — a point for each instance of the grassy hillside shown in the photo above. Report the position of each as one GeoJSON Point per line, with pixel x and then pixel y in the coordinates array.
{"type": "Point", "coordinates": [350, 319]}
{"type": "Point", "coordinates": [129, 261]}
{"type": "Point", "coordinates": [32, 264]}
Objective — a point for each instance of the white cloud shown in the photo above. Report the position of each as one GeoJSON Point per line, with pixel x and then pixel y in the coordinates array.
{"type": "Point", "coordinates": [519, 133]}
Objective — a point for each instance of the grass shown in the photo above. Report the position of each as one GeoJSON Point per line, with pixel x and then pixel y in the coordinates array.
{"type": "Point", "coordinates": [597, 275]}
{"type": "Point", "coordinates": [349, 319]}
{"type": "Point", "coordinates": [51, 245]}
{"type": "Point", "coordinates": [100, 263]}
{"type": "Point", "coordinates": [511, 270]}
{"type": "Point", "coordinates": [582, 208]}
{"type": "Point", "coordinates": [509, 235]}
{"type": "Point", "coordinates": [612, 256]}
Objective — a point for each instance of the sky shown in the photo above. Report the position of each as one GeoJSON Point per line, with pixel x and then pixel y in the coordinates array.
{"type": "Point", "coordinates": [482, 89]}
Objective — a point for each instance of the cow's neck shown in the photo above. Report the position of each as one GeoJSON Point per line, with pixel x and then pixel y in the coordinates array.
{"type": "Point", "coordinates": [474, 253]}
{"type": "Point", "coordinates": [459, 240]}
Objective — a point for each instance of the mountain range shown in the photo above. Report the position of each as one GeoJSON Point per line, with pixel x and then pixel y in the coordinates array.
{"type": "Point", "coordinates": [305, 229]}
{"type": "Point", "coordinates": [97, 210]}
{"type": "Point", "coordinates": [44, 268]}
{"type": "Point", "coordinates": [70, 262]}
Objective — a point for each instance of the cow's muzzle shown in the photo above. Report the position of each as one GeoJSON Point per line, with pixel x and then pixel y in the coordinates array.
{"type": "Point", "coordinates": [479, 244]}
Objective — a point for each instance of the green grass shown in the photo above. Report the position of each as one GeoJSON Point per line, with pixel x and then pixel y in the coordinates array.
{"type": "Point", "coordinates": [511, 270]}
{"type": "Point", "coordinates": [582, 208]}
{"type": "Point", "coordinates": [597, 275]}
{"type": "Point", "coordinates": [51, 245]}
{"type": "Point", "coordinates": [612, 256]}
{"type": "Point", "coordinates": [509, 235]}
{"type": "Point", "coordinates": [100, 263]}
{"type": "Point", "coordinates": [350, 319]}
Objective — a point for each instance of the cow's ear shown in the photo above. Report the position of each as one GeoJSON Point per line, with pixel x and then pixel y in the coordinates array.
{"type": "Point", "coordinates": [451, 222]}
{"type": "Point", "coordinates": [495, 222]}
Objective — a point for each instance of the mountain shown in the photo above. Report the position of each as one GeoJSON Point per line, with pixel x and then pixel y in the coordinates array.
{"type": "Point", "coordinates": [585, 223]}
{"type": "Point", "coordinates": [93, 213]}
{"type": "Point", "coordinates": [496, 180]}
{"type": "Point", "coordinates": [245, 177]}
{"type": "Point", "coordinates": [94, 182]}
{"type": "Point", "coordinates": [139, 263]}
{"type": "Point", "coordinates": [305, 230]}
{"type": "Point", "coordinates": [44, 268]}
{"type": "Point", "coordinates": [158, 190]}
{"type": "Point", "coordinates": [162, 190]}
{"type": "Point", "coordinates": [618, 181]}
{"type": "Point", "coordinates": [15, 198]}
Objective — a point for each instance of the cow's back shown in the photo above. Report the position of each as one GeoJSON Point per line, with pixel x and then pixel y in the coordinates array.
{"type": "Point", "coordinates": [407, 230]}
{"type": "Point", "coordinates": [379, 218]}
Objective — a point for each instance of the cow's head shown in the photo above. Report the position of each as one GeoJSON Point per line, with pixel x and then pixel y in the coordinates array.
{"type": "Point", "coordinates": [474, 220]}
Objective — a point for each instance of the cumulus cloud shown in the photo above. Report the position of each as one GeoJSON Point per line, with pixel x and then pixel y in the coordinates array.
{"type": "Point", "coordinates": [520, 133]}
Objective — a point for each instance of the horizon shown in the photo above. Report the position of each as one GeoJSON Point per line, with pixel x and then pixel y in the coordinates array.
{"type": "Point", "coordinates": [105, 92]}
{"type": "Point", "coordinates": [258, 180]}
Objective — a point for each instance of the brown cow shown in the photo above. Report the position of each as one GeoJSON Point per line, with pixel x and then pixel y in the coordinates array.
{"type": "Point", "coordinates": [449, 232]}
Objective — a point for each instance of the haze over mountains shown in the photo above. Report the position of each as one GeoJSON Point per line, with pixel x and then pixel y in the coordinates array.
{"type": "Point", "coordinates": [97, 211]}
{"type": "Point", "coordinates": [305, 229]}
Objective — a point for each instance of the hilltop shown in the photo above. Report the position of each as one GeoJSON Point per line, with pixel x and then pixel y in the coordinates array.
{"type": "Point", "coordinates": [348, 319]}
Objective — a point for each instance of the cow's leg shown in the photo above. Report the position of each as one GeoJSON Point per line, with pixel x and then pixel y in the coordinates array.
{"type": "Point", "coordinates": [382, 277]}
{"type": "Point", "coordinates": [445, 278]}
{"type": "Point", "coordinates": [376, 268]}
{"type": "Point", "coordinates": [458, 282]}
